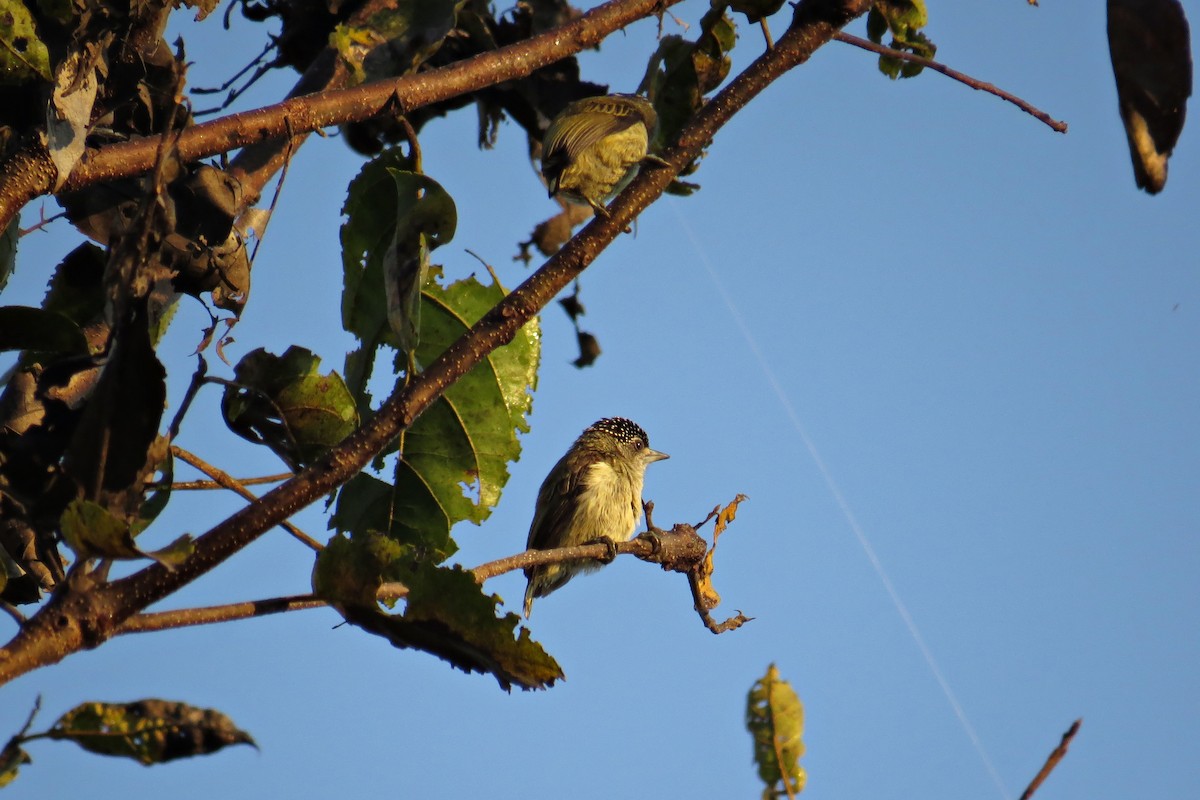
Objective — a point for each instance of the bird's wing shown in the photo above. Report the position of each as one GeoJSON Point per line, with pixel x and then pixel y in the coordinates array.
{"type": "Point", "coordinates": [556, 498]}
{"type": "Point", "coordinates": [587, 121]}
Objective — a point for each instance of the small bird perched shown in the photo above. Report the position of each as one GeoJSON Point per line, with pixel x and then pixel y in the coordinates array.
{"type": "Point", "coordinates": [590, 149]}
{"type": "Point", "coordinates": [593, 493]}
{"type": "Point", "coordinates": [1150, 47]}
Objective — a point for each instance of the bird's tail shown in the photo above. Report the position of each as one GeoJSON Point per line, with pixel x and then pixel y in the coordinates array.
{"type": "Point", "coordinates": [528, 599]}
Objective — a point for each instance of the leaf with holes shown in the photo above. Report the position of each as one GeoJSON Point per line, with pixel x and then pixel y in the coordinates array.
{"type": "Point", "coordinates": [148, 731]}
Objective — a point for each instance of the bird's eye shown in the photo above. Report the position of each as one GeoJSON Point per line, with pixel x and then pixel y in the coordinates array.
{"type": "Point", "coordinates": [639, 444]}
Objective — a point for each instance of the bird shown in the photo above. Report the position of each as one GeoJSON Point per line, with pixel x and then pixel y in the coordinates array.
{"type": "Point", "coordinates": [593, 494]}
{"type": "Point", "coordinates": [591, 149]}
{"type": "Point", "coordinates": [1149, 43]}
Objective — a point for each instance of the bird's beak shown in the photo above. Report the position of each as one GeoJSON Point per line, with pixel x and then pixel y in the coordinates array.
{"type": "Point", "coordinates": [650, 456]}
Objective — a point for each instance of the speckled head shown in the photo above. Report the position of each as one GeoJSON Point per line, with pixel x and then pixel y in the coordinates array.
{"type": "Point", "coordinates": [623, 430]}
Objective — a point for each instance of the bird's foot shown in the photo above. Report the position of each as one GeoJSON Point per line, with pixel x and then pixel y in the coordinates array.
{"type": "Point", "coordinates": [652, 538]}
{"type": "Point", "coordinates": [611, 547]}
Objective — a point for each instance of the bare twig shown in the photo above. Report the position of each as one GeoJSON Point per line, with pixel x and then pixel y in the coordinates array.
{"type": "Point", "coordinates": [974, 83]}
{"type": "Point", "coordinates": [233, 484]}
{"type": "Point", "coordinates": [1052, 760]}
{"type": "Point", "coordinates": [194, 486]}
{"type": "Point", "coordinates": [186, 617]}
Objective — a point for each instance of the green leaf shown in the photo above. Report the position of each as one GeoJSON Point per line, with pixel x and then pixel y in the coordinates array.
{"type": "Point", "coordinates": [23, 56]}
{"type": "Point", "coordinates": [148, 731]}
{"type": "Point", "coordinates": [904, 18]}
{"type": "Point", "coordinates": [26, 328]}
{"type": "Point", "coordinates": [446, 612]}
{"type": "Point", "coordinates": [396, 39]}
{"type": "Point", "coordinates": [350, 571]}
{"type": "Point", "coordinates": [8, 250]}
{"type": "Point", "coordinates": [93, 532]}
{"type": "Point", "coordinates": [682, 72]}
{"type": "Point", "coordinates": [454, 459]}
{"type": "Point", "coordinates": [775, 719]}
{"type": "Point", "coordinates": [425, 218]}
{"type": "Point", "coordinates": [286, 403]}
{"type": "Point", "coordinates": [370, 212]}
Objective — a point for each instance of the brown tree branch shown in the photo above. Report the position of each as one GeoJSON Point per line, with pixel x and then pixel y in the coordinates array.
{"type": "Point", "coordinates": [1052, 760]}
{"type": "Point", "coordinates": [31, 173]}
{"type": "Point", "coordinates": [974, 83]}
{"type": "Point", "coordinates": [74, 620]}
{"type": "Point", "coordinates": [224, 479]}
{"type": "Point", "coordinates": [678, 550]}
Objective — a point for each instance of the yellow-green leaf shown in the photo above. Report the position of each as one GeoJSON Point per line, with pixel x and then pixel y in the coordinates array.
{"type": "Point", "coordinates": [775, 719]}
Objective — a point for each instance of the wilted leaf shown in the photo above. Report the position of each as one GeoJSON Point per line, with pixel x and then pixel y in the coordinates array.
{"type": "Point", "coordinates": [446, 612]}
{"type": "Point", "coordinates": [286, 403]}
{"type": "Point", "coordinates": [711, 599]}
{"type": "Point", "coordinates": [775, 719]}
{"type": "Point", "coordinates": [23, 56]}
{"type": "Point", "coordinates": [69, 113]}
{"type": "Point", "coordinates": [148, 731]}
{"type": "Point", "coordinates": [109, 456]}
{"type": "Point", "coordinates": [26, 328]}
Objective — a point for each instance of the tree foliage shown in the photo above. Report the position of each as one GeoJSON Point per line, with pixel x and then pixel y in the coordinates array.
{"type": "Point", "coordinates": [94, 111]}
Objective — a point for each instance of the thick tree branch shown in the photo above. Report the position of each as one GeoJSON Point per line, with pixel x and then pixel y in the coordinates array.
{"type": "Point", "coordinates": [30, 173]}
{"type": "Point", "coordinates": [73, 620]}
{"type": "Point", "coordinates": [679, 550]}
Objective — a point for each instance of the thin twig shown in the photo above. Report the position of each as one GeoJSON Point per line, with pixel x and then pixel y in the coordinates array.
{"type": "Point", "coordinates": [196, 486]}
{"type": "Point", "coordinates": [1052, 760]}
{"type": "Point", "coordinates": [974, 83]}
{"type": "Point", "coordinates": [186, 617]}
{"type": "Point", "coordinates": [229, 482]}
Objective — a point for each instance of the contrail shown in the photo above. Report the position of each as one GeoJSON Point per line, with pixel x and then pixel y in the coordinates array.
{"type": "Point", "coordinates": [840, 498]}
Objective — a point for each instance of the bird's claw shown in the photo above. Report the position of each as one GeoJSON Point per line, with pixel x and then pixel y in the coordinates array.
{"type": "Point", "coordinates": [610, 547]}
{"type": "Point", "coordinates": [653, 539]}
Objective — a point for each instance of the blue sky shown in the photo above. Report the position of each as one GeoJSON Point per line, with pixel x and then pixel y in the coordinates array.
{"type": "Point", "coordinates": [985, 332]}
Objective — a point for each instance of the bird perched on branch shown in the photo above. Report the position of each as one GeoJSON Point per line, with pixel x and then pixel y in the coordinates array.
{"type": "Point", "coordinates": [593, 494]}
{"type": "Point", "coordinates": [1150, 46]}
{"type": "Point", "coordinates": [591, 149]}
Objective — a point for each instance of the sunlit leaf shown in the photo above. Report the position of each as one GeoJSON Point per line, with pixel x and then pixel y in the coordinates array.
{"type": "Point", "coordinates": [395, 39]}
{"type": "Point", "coordinates": [148, 731]}
{"type": "Point", "coordinates": [446, 612]}
{"type": "Point", "coordinates": [23, 56]}
{"type": "Point", "coordinates": [286, 403]}
{"type": "Point", "coordinates": [775, 719]}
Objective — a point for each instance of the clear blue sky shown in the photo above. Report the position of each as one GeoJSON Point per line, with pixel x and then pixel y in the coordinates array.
{"type": "Point", "coordinates": [988, 335]}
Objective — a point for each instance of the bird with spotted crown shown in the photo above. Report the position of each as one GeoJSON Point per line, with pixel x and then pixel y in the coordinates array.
{"type": "Point", "coordinates": [592, 147]}
{"type": "Point", "coordinates": [593, 494]}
